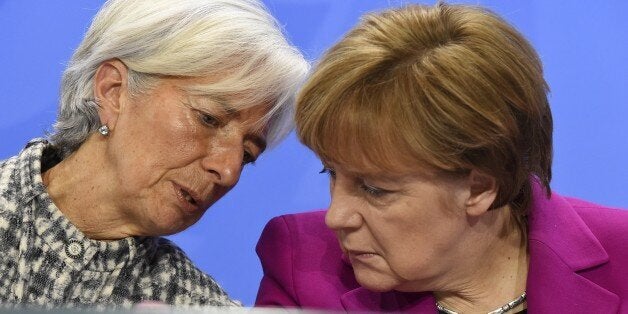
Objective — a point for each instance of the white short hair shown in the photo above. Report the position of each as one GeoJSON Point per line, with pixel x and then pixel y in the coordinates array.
{"type": "Point", "coordinates": [237, 40]}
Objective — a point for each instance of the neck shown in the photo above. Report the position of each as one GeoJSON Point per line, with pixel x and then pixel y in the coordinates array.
{"type": "Point", "coordinates": [80, 188]}
{"type": "Point", "coordinates": [493, 275]}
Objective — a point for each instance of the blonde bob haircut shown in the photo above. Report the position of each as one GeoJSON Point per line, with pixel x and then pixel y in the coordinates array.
{"type": "Point", "coordinates": [447, 87]}
{"type": "Point", "coordinates": [237, 42]}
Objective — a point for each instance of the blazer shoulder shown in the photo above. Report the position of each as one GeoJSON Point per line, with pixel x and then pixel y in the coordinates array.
{"type": "Point", "coordinates": [287, 237]}
{"type": "Point", "coordinates": [302, 263]}
{"type": "Point", "coordinates": [606, 223]}
{"type": "Point", "coordinates": [609, 226]}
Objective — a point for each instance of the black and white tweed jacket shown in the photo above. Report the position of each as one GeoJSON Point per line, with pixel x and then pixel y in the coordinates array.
{"type": "Point", "coordinates": [46, 261]}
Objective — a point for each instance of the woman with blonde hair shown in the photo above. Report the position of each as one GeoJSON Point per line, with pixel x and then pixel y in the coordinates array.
{"type": "Point", "coordinates": [434, 127]}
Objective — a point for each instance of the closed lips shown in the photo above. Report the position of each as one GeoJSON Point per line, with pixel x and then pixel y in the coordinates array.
{"type": "Point", "coordinates": [188, 195]}
{"type": "Point", "coordinates": [361, 253]}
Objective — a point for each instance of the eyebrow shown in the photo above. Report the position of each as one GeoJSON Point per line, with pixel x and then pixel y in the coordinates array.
{"type": "Point", "coordinates": [223, 103]}
{"type": "Point", "coordinates": [368, 174]}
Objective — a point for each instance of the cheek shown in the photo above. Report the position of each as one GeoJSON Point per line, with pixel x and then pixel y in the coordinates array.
{"type": "Point", "coordinates": [171, 144]}
{"type": "Point", "coordinates": [165, 129]}
{"type": "Point", "coordinates": [411, 243]}
{"type": "Point", "coordinates": [405, 253]}
{"type": "Point", "coordinates": [144, 164]}
{"type": "Point", "coordinates": [423, 251]}
{"type": "Point", "coordinates": [176, 135]}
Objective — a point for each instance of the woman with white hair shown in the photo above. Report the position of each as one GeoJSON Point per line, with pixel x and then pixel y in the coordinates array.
{"type": "Point", "coordinates": [162, 105]}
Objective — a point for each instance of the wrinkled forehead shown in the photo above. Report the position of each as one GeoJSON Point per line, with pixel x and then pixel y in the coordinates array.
{"type": "Point", "coordinates": [235, 99]}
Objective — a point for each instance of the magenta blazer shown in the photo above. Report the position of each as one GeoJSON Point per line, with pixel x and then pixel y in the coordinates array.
{"type": "Point", "coordinates": [578, 263]}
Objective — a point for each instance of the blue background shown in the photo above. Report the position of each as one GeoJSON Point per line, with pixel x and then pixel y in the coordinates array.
{"type": "Point", "coordinates": [582, 44]}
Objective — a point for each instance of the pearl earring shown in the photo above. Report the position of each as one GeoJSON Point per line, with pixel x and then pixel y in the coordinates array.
{"type": "Point", "coordinates": [104, 130]}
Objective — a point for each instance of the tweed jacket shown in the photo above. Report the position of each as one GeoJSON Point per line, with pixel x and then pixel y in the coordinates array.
{"type": "Point", "coordinates": [46, 261]}
{"type": "Point", "coordinates": [578, 263]}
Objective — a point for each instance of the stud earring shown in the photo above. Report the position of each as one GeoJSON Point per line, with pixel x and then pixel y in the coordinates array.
{"type": "Point", "coordinates": [104, 130]}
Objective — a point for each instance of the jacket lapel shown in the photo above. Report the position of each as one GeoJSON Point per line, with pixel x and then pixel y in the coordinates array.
{"type": "Point", "coordinates": [561, 246]}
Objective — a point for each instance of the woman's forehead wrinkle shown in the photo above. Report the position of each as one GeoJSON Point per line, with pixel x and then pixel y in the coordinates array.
{"type": "Point", "coordinates": [204, 98]}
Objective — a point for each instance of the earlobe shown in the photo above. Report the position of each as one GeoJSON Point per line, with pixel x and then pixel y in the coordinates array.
{"type": "Point", "coordinates": [483, 192]}
{"type": "Point", "coordinates": [110, 83]}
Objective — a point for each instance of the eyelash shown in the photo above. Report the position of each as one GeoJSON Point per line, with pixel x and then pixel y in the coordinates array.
{"type": "Point", "coordinates": [373, 191]}
{"type": "Point", "coordinates": [370, 190]}
{"type": "Point", "coordinates": [209, 120]}
{"type": "Point", "coordinates": [329, 171]}
{"type": "Point", "coordinates": [247, 159]}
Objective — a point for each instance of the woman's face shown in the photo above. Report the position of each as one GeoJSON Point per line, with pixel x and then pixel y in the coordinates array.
{"type": "Point", "coordinates": [175, 154]}
{"type": "Point", "coordinates": [400, 232]}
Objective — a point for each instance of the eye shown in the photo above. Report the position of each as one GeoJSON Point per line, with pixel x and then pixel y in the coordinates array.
{"type": "Point", "coordinates": [209, 120]}
{"type": "Point", "coordinates": [373, 191]}
{"type": "Point", "coordinates": [248, 158]}
{"type": "Point", "coordinates": [331, 172]}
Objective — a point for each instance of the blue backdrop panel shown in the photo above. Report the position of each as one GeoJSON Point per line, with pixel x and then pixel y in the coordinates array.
{"type": "Point", "coordinates": [583, 47]}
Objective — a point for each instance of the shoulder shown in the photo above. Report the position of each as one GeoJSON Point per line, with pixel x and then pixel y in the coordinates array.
{"type": "Point", "coordinates": [302, 235]}
{"type": "Point", "coordinates": [16, 175]}
{"type": "Point", "coordinates": [303, 264]}
{"type": "Point", "coordinates": [23, 162]}
{"type": "Point", "coordinates": [608, 224]}
{"type": "Point", "coordinates": [173, 272]}
{"type": "Point", "coordinates": [9, 186]}
{"type": "Point", "coordinates": [587, 209]}
{"type": "Point", "coordinates": [9, 171]}
{"type": "Point", "coordinates": [307, 226]}
{"type": "Point", "coordinates": [609, 227]}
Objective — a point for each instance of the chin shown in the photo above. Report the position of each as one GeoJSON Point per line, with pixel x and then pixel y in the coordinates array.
{"type": "Point", "coordinates": [162, 232]}
{"type": "Point", "coordinates": [169, 223]}
{"type": "Point", "coordinates": [174, 226]}
{"type": "Point", "coordinates": [376, 282]}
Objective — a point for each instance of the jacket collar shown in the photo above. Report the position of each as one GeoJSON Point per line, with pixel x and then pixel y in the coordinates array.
{"type": "Point", "coordinates": [561, 246]}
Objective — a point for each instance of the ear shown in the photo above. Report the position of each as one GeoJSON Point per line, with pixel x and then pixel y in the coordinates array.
{"type": "Point", "coordinates": [482, 193]}
{"type": "Point", "coordinates": [110, 84]}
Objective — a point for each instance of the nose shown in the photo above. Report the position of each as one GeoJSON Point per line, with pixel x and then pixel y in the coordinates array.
{"type": "Point", "coordinates": [224, 162]}
{"type": "Point", "coordinates": [342, 213]}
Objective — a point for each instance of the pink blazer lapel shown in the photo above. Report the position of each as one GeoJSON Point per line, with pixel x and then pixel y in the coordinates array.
{"type": "Point", "coordinates": [561, 246]}
{"type": "Point", "coordinates": [554, 287]}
